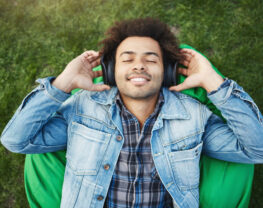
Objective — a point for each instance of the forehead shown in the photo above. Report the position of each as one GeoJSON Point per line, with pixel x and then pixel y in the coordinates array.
{"type": "Point", "coordinates": [139, 45]}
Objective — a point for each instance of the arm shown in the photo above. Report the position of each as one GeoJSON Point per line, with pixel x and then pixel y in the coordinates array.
{"type": "Point", "coordinates": [40, 123]}
{"type": "Point", "coordinates": [238, 140]}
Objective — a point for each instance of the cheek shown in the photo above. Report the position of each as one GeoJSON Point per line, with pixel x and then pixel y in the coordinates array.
{"type": "Point", "coordinates": [118, 75]}
{"type": "Point", "coordinates": [158, 75]}
{"type": "Point", "coordinates": [160, 79]}
{"type": "Point", "coordinates": [119, 78]}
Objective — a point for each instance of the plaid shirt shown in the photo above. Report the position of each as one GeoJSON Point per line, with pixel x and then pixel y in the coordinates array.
{"type": "Point", "coordinates": [135, 182]}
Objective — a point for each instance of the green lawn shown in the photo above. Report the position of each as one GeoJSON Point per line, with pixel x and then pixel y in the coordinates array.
{"type": "Point", "coordinates": [38, 38]}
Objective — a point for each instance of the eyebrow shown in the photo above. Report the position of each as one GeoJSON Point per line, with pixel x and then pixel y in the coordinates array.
{"type": "Point", "coordinates": [146, 53]}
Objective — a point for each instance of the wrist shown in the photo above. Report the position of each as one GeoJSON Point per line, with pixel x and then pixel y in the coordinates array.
{"type": "Point", "coordinates": [63, 85]}
{"type": "Point", "coordinates": [213, 83]}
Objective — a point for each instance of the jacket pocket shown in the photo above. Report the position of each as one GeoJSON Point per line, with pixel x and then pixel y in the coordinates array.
{"type": "Point", "coordinates": [185, 167]}
{"type": "Point", "coordinates": [79, 192]}
{"type": "Point", "coordinates": [86, 149]}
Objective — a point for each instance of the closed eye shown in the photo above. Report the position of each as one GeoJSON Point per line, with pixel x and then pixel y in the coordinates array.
{"type": "Point", "coordinates": [128, 60]}
{"type": "Point", "coordinates": [150, 61]}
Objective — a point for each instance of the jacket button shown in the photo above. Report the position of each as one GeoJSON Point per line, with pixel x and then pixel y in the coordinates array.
{"type": "Point", "coordinates": [100, 198]}
{"type": "Point", "coordinates": [107, 167]}
{"type": "Point", "coordinates": [119, 138]}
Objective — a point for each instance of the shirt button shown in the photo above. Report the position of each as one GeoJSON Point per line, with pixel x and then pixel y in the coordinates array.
{"type": "Point", "coordinates": [119, 138]}
{"type": "Point", "coordinates": [100, 198]}
{"type": "Point", "coordinates": [107, 167]}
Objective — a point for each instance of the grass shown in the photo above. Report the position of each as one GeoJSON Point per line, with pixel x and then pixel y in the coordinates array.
{"type": "Point", "coordinates": [38, 38]}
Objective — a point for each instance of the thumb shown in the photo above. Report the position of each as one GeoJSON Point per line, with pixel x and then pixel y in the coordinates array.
{"type": "Point", "coordinates": [180, 87]}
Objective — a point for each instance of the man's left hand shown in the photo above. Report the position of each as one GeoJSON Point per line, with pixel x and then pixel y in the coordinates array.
{"type": "Point", "coordinates": [199, 72]}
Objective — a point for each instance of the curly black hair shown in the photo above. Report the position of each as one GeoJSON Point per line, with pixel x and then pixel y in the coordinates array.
{"type": "Point", "coordinates": [142, 27]}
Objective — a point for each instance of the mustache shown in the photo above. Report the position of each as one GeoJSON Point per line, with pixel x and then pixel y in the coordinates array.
{"type": "Point", "coordinates": [136, 73]}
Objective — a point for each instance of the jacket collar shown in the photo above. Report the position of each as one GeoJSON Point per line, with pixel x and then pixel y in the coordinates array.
{"type": "Point", "coordinates": [173, 108]}
{"type": "Point", "coordinates": [106, 97]}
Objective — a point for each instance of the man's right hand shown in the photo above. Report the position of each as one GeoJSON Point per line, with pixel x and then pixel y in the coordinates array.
{"type": "Point", "coordinates": [78, 74]}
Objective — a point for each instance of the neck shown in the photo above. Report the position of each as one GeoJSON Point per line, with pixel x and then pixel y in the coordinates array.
{"type": "Point", "coordinates": [140, 108]}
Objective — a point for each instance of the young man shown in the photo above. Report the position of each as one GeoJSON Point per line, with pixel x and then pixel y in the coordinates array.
{"type": "Point", "coordinates": [137, 144]}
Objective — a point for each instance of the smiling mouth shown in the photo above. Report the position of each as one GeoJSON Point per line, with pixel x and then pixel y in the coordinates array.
{"type": "Point", "coordinates": [138, 79]}
{"type": "Point", "coordinates": [139, 76]}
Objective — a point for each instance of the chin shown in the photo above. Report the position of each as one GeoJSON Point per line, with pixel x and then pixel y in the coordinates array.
{"type": "Point", "coordinates": [140, 94]}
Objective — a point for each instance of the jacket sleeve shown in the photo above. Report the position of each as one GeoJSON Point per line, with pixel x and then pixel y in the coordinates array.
{"type": "Point", "coordinates": [39, 124]}
{"type": "Point", "coordinates": [240, 138]}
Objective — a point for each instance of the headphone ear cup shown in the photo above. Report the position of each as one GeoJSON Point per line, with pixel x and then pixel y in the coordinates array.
{"type": "Point", "coordinates": [111, 72]}
{"type": "Point", "coordinates": [108, 68]}
{"type": "Point", "coordinates": [170, 74]}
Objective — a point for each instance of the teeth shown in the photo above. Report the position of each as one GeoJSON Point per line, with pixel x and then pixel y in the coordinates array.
{"type": "Point", "coordinates": [138, 79]}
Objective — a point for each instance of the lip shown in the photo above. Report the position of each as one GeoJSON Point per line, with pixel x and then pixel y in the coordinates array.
{"type": "Point", "coordinates": [141, 76]}
{"type": "Point", "coordinates": [138, 81]}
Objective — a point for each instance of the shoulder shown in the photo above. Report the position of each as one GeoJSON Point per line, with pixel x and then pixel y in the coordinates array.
{"type": "Point", "coordinates": [181, 106]}
{"type": "Point", "coordinates": [172, 96]}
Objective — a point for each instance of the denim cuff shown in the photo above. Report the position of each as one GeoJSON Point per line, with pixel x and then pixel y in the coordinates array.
{"type": "Point", "coordinates": [220, 96]}
{"type": "Point", "coordinates": [53, 92]}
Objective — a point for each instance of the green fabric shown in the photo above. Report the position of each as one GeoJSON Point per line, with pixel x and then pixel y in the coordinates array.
{"type": "Point", "coordinates": [222, 184]}
{"type": "Point", "coordinates": [44, 178]}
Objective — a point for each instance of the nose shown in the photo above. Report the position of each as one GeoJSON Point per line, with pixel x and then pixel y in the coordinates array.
{"type": "Point", "coordinates": [139, 66]}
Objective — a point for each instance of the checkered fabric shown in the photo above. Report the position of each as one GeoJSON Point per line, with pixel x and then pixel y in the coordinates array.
{"type": "Point", "coordinates": [135, 182]}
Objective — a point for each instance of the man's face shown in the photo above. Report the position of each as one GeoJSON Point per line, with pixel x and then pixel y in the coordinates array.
{"type": "Point", "coordinates": [139, 68]}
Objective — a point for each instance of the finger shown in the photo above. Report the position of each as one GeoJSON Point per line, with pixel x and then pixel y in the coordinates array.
{"type": "Point", "coordinates": [93, 59]}
{"type": "Point", "coordinates": [99, 87]}
{"type": "Point", "coordinates": [95, 63]}
{"type": "Point", "coordinates": [183, 71]}
{"type": "Point", "coordinates": [92, 56]}
{"type": "Point", "coordinates": [186, 60]}
{"type": "Point", "coordinates": [179, 87]}
{"type": "Point", "coordinates": [187, 56]}
{"type": "Point", "coordinates": [185, 63]}
{"type": "Point", "coordinates": [86, 63]}
{"type": "Point", "coordinates": [189, 51]}
{"type": "Point", "coordinates": [91, 52]}
{"type": "Point", "coordinates": [89, 65]}
{"type": "Point", "coordinates": [96, 74]}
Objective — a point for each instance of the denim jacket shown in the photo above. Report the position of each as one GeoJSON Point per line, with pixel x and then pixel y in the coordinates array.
{"type": "Point", "coordinates": [89, 126]}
